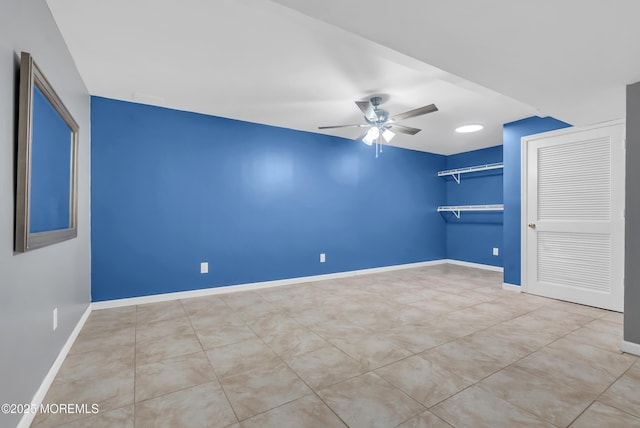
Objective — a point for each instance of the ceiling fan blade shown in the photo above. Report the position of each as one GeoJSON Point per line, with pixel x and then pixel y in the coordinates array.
{"type": "Point", "coordinates": [367, 109]}
{"type": "Point", "coordinates": [403, 129]}
{"type": "Point", "coordinates": [342, 126]}
{"type": "Point", "coordinates": [413, 113]}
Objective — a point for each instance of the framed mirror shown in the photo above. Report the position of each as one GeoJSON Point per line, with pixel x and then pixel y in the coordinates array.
{"type": "Point", "coordinates": [46, 184]}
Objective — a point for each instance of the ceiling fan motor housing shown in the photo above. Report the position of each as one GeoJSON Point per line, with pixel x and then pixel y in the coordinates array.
{"type": "Point", "coordinates": [382, 115]}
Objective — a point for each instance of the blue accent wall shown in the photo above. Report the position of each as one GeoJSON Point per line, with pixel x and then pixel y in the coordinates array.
{"type": "Point", "coordinates": [171, 189]}
{"type": "Point", "coordinates": [473, 237]}
{"type": "Point", "coordinates": [512, 134]}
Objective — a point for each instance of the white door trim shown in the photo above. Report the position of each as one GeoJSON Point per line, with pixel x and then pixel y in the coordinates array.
{"type": "Point", "coordinates": [524, 162]}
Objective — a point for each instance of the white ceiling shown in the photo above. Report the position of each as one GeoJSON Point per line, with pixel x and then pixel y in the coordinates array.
{"type": "Point", "coordinates": [570, 59]}
{"type": "Point", "coordinates": [264, 62]}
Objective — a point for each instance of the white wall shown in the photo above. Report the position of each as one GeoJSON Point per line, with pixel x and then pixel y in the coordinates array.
{"type": "Point", "coordinates": [32, 284]}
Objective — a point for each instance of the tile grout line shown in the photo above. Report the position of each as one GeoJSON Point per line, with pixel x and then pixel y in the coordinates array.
{"type": "Point", "coordinates": [605, 390]}
{"type": "Point", "coordinates": [204, 351]}
{"type": "Point", "coordinates": [83, 416]}
{"type": "Point", "coordinates": [492, 373]}
{"type": "Point", "coordinates": [171, 358]}
{"type": "Point", "coordinates": [342, 380]}
{"type": "Point", "coordinates": [518, 360]}
{"type": "Point", "coordinates": [489, 375]}
{"type": "Point", "coordinates": [425, 408]}
{"type": "Point", "coordinates": [299, 378]}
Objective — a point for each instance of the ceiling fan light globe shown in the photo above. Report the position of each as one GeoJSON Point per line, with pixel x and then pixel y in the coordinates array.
{"type": "Point", "coordinates": [371, 136]}
{"type": "Point", "coordinates": [388, 135]}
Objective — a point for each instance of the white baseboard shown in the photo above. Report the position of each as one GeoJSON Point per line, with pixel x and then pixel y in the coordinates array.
{"type": "Point", "coordinates": [630, 347]}
{"type": "Point", "coordinates": [27, 418]}
{"type": "Point", "coordinates": [511, 287]}
{"type": "Point", "coordinates": [475, 265]}
{"type": "Point", "coordinates": [106, 304]}
{"type": "Point", "coordinates": [397, 267]}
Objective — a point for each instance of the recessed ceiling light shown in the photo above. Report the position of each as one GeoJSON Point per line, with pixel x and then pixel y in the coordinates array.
{"type": "Point", "coordinates": [469, 128]}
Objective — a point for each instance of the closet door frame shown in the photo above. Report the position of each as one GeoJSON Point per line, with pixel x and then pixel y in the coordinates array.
{"type": "Point", "coordinates": [524, 182]}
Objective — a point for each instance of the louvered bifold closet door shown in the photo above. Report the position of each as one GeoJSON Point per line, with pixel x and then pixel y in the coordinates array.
{"type": "Point", "coordinates": [571, 194]}
{"type": "Point", "coordinates": [574, 181]}
{"type": "Point", "coordinates": [574, 184]}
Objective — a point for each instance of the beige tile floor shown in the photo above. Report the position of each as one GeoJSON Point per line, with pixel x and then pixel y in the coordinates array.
{"type": "Point", "coordinates": [429, 347]}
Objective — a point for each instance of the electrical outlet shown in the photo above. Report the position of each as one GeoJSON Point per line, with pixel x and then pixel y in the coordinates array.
{"type": "Point", "coordinates": [55, 319]}
{"type": "Point", "coordinates": [204, 267]}
{"type": "Point", "coordinates": [322, 258]}
{"type": "Point", "coordinates": [495, 251]}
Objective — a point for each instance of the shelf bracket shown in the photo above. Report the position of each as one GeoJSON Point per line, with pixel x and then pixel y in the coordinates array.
{"type": "Point", "coordinates": [456, 213]}
{"type": "Point", "coordinates": [457, 178]}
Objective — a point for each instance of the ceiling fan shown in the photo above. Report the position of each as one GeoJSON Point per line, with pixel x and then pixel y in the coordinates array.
{"type": "Point", "coordinates": [381, 124]}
